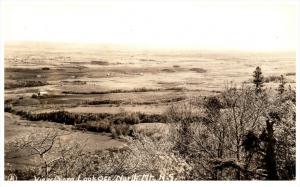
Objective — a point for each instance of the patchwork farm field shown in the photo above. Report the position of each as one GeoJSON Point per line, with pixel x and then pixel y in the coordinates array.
{"type": "Point", "coordinates": [97, 95]}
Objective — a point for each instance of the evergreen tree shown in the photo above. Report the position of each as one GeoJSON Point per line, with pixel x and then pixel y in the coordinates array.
{"type": "Point", "coordinates": [270, 157]}
{"type": "Point", "coordinates": [258, 80]}
{"type": "Point", "coordinates": [281, 85]}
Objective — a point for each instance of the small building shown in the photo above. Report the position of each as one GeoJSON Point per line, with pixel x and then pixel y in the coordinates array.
{"type": "Point", "coordinates": [42, 93]}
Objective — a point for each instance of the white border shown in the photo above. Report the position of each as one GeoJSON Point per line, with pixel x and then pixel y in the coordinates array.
{"type": "Point", "coordinates": [137, 183]}
{"type": "Point", "coordinates": [1, 91]}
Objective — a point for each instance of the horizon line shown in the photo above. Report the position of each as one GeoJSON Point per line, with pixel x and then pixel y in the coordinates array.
{"type": "Point", "coordinates": [151, 47]}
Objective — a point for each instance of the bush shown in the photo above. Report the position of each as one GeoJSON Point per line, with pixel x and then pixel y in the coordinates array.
{"type": "Point", "coordinates": [133, 118]}
{"type": "Point", "coordinates": [7, 108]}
{"type": "Point", "coordinates": [121, 130]}
{"type": "Point", "coordinates": [272, 78]}
{"type": "Point", "coordinates": [143, 89]}
{"type": "Point", "coordinates": [95, 102]}
{"type": "Point", "coordinates": [95, 126]}
{"type": "Point", "coordinates": [25, 83]}
{"type": "Point", "coordinates": [168, 70]}
{"type": "Point", "coordinates": [199, 70]}
{"type": "Point", "coordinates": [290, 74]}
{"type": "Point", "coordinates": [126, 118]}
{"type": "Point", "coordinates": [34, 96]}
{"type": "Point", "coordinates": [212, 103]}
{"type": "Point", "coordinates": [99, 62]}
{"type": "Point", "coordinates": [152, 118]}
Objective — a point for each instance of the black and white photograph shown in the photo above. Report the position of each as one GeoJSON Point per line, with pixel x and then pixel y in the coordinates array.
{"type": "Point", "coordinates": [112, 90]}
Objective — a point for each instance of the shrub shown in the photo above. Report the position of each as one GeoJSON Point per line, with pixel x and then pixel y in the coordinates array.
{"type": "Point", "coordinates": [152, 118]}
{"type": "Point", "coordinates": [168, 70]}
{"type": "Point", "coordinates": [34, 96]}
{"type": "Point", "coordinates": [76, 82]}
{"type": "Point", "coordinates": [7, 108]}
{"type": "Point", "coordinates": [171, 100]}
{"type": "Point", "coordinates": [290, 74]}
{"type": "Point", "coordinates": [99, 62]}
{"type": "Point", "coordinates": [212, 103]}
{"type": "Point", "coordinates": [132, 118]}
{"type": "Point", "coordinates": [143, 89]}
{"type": "Point", "coordinates": [199, 70]}
{"type": "Point", "coordinates": [113, 132]}
{"type": "Point", "coordinates": [272, 78]}
{"type": "Point", "coordinates": [121, 130]}
{"type": "Point", "coordinates": [126, 118]}
{"type": "Point", "coordinates": [124, 130]}
{"type": "Point", "coordinates": [176, 88]}
{"type": "Point", "coordinates": [95, 102]}
{"type": "Point", "coordinates": [95, 126]}
{"type": "Point", "coordinates": [25, 83]}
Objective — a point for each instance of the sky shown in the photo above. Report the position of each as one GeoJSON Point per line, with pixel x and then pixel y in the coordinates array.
{"type": "Point", "coordinates": [159, 24]}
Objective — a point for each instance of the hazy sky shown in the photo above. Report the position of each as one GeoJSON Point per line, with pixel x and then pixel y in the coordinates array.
{"type": "Point", "coordinates": [166, 24]}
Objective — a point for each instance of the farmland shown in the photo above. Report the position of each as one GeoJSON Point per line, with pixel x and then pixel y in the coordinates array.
{"type": "Point", "coordinates": [99, 95]}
